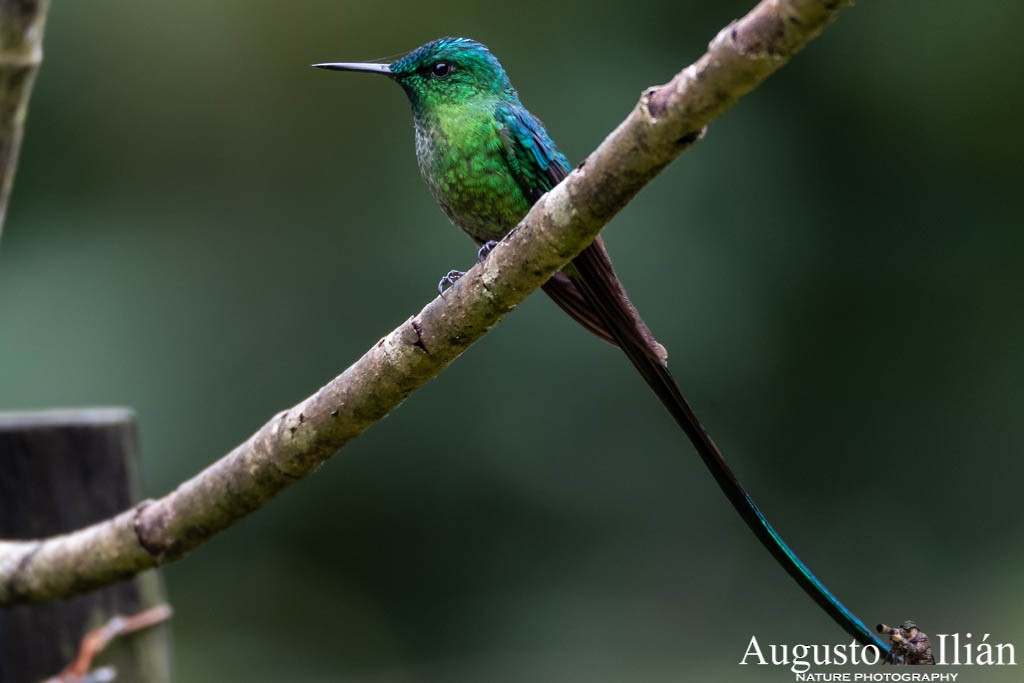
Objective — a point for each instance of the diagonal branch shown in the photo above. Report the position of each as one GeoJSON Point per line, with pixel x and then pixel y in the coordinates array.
{"type": "Point", "coordinates": [21, 52]}
{"type": "Point", "coordinates": [295, 442]}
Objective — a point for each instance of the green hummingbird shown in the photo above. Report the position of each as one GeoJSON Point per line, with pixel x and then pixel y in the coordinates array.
{"type": "Point", "coordinates": [487, 160]}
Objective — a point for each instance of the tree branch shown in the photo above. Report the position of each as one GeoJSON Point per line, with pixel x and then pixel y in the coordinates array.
{"type": "Point", "coordinates": [21, 52]}
{"type": "Point", "coordinates": [96, 641]}
{"type": "Point", "coordinates": [295, 442]}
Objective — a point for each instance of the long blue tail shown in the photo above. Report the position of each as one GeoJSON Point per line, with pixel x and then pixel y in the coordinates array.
{"type": "Point", "coordinates": [591, 274]}
{"type": "Point", "coordinates": [807, 580]}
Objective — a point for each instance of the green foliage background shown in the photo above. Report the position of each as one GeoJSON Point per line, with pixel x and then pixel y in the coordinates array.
{"type": "Point", "coordinates": [206, 229]}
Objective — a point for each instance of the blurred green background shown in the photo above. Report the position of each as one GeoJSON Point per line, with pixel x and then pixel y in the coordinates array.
{"type": "Point", "coordinates": [206, 229]}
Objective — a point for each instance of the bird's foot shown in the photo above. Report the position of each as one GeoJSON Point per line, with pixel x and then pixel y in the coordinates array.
{"type": "Point", "coordinates": [485, 250]}
{"type": "Point", "coordinates": [450, 278]}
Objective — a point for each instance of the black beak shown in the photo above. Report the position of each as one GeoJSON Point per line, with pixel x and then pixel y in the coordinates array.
{"type": "Point", "coordinates": [357, 66]}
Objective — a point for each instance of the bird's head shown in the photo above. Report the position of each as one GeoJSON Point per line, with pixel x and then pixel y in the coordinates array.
{"type": "Point", "coordinates": [444, 71]}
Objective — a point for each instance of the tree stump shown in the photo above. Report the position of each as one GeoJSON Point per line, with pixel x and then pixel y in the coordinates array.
{"type": "Point", "coordinates": [61, 470]}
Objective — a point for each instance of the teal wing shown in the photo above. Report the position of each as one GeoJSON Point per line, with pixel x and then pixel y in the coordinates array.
{"type": "Point", "coordinates": [532, 156]}
{"type": "Point", "coordinates": [538, 165]}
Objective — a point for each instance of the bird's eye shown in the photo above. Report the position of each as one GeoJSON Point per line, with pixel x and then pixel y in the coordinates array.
{"type": "Point", "coordinates": [440, 69]}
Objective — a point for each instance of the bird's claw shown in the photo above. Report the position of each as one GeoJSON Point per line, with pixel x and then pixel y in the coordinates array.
{"type": "Point", "coordinates": [485, 250]}
{"type": "Point", "coordinates": [450, 278]}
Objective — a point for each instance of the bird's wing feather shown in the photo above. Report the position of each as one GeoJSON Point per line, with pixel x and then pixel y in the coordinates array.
{"type": "Point", "coordinates": [532, 156]}
{"type": "Point", "coordinates": [538, 166]}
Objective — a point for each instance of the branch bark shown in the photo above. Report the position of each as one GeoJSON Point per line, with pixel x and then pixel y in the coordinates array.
{"type": "Point", "coordinates": [21, 53]}
{"type": "Point", "coordinates": [295, 442]}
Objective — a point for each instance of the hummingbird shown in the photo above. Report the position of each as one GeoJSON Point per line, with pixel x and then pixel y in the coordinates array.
{"type": "Point", "coordinates": [487, 160]}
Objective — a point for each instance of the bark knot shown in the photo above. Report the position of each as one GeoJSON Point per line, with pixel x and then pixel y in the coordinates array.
{"type": "Point", "coordinates": [417, 328]}
{"type": "Point", "coordinates": [150, 526]}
